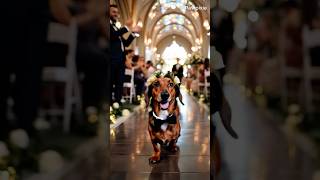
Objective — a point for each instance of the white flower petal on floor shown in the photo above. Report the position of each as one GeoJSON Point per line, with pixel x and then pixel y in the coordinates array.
{"type": "Point", "coordinates": [293, 108]}
{"type": "Point", "coordinates": [19, 138]}
{"type": "Point", "coordinates": [41, 124]}
{"type": "Point", "coordinates": [176, 80]}
{"type": "Point", "coordinates": [125, 112]}
{"type": "Point", "coordinates": [3, 150]}
{"type": "Point", "coordinates": [91, 110]}
{"type": "Point", "coordinates": [4, 175]}
{"type": "Point", "coordinates": [116, 105]}
{"type": "Point", "coordinates": [50, 161]}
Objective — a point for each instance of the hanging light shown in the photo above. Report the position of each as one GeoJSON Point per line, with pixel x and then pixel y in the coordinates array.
{"type": "Point", "coordinates": [152, 15]}
{"type": "Point", "coordinates": [154, 49]}
{"type": "Point", "coordinates": [195, 14]}
{"type": "Point", "coordinates": [206, 25]}
{"type": "Point", "coordinates": [147, 41]}
{"type": "Point", "coordinates": [173, 6]}
{"type": "Point", "coordinates": [140, 24]}
{"type": "Point", "coordinates": [198, 41]}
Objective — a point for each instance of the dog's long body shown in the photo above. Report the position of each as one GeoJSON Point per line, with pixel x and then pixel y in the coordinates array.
{"type": "Point", "coordinates": [163, 125]}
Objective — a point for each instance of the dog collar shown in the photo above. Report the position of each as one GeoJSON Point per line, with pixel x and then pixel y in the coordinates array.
{"type": "Point", "coordinates": [159, 118]}
{"type": "Point", "coordinates": [158, 122]}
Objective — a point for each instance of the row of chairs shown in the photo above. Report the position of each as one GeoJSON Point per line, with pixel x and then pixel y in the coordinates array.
{"type": "Point", "coordinates": [306, 75]}
{"type": "Point", "coordinates": [59, 33]}
{"type": "Point", "coordinates": [130, 85]}
{"type": "Point", "coordinates": [204, 87]}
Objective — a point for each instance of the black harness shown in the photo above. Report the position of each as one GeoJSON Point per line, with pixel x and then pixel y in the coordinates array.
{"type": "Point", "coordinates": [157, 122]}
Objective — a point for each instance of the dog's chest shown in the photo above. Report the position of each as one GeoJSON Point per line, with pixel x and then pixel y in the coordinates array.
{"type": "Point", "coordinates": [164, 115]}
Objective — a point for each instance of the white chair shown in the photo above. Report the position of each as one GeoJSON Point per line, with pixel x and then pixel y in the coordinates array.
{"type": "Point", "coordinates": [206, 82]}
{"type": "Point", "coordinates": [289, 73]}
{"type": "Point", "coordinates": [130, 85]}
{"type": "Point", "coordinates": [59, 33]}
{"type": "Point", "coordinates": [204, 86]}
{"type": "Point", "coordinates": [311, 38]}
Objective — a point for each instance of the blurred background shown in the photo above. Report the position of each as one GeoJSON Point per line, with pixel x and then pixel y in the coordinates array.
{"type": "Point", "coordinates": [54, 95]}
{"type": "Point", "coordinates": [271, 80]}
{"type": "Point", "coordinates": [54, 99]}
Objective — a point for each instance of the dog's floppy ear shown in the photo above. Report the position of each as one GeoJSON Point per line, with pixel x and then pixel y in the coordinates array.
{"type": "Point", "coordinates": [148, 95]}
{"type": "Point", "coordinates": [178, 93]}
{"type": "Point", "coordinates": [225, 116]}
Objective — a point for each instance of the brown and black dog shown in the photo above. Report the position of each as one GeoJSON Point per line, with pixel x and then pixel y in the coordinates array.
{"type": "Point", "coordinates": [163, 126]}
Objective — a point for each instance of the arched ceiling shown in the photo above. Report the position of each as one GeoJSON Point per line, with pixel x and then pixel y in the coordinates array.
{"type": "Point", "coordinates": [173, 28]}
{"type": "Point", "coordinates": [165, 18]}
{"type": "Point", "coordinates": [172, 18]}
{"type": "Point", "coordinates": [166, 41]}
{"type": "Point", "coordinates": [172, 33]}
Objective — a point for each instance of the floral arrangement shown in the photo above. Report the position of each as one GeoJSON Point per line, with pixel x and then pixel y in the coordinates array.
{"type": "Point", "coordinates": [117, 111]}
{"type": "Point", "coordinates": [158, 74]}
{"type": "Point", "coordinates": [194, 59]}
{"type": "Point", "coordinates": [19, 153]}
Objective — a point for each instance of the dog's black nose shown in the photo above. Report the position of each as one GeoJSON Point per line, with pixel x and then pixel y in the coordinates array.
{"type": "Point", "coordinates": [164, 95]}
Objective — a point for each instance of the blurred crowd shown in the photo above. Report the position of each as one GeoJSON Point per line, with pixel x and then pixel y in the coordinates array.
{"type": "Point", "coordinates": [267, 43]}
{"type": "Point", "coordinates": [30, 51]}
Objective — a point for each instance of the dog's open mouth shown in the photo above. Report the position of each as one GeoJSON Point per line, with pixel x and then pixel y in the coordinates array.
{"type": "Point", "coordinates": [164, 105]}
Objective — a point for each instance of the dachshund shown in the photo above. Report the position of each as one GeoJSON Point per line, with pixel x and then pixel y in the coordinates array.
{"type": "Point", "coordinates": [163, 125]}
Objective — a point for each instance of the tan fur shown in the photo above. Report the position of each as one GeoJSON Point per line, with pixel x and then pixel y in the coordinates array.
{"type": "Point", "coordinates": [172, 133]}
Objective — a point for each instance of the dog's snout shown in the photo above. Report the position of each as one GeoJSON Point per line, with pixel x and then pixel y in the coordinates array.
{"type": "Point", "coordinates": [164, 95]}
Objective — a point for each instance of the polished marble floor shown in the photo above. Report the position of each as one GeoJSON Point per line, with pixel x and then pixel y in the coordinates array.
{"type": "Point", "coordinates": [262, 151]}
{"type": "Point", "coordinates": [131, 148]}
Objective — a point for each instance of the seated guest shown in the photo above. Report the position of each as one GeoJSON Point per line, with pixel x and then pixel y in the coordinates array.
{"type": "Point", "coordinates": [128, 65]}
{"type": "Point", "coordinates": [140, 73]}
{"type": "Point", "coordinates": [150, 68]}
{"type": "Point", "coordinates": [206, 64]}
{"type": "Point", "coordinates": [128, 71]}
{"type": "Point", "coordinates": [129, 56]}
{"type": "Point", "coordinates": [201, 72]}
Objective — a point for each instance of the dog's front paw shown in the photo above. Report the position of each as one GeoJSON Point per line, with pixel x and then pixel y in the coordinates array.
{"type": "Point", "coordinates": [174, 149]}
{"type": "Point", "coordinates": [154, 159]}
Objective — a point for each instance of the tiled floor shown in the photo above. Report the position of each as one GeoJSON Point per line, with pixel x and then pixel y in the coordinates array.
{"type": "Point", "coordinates": [131, 148]}
{"type": "Point", "coordinates": [260, 153]}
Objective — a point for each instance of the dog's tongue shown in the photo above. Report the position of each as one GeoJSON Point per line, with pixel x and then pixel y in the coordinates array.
{"type": "Point", "coordinates": [165, 105]}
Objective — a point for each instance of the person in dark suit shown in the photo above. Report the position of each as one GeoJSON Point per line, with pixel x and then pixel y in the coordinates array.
{"type": "Point", "coordinates": [117, 47]}
{"type": "Point", "coordinates": [177, 70]}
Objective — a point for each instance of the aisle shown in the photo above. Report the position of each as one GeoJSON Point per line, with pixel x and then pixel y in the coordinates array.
{"type": "Point", "coordinates": [261, 152]}
{"type": "Point", "coordinates": [131, 148]}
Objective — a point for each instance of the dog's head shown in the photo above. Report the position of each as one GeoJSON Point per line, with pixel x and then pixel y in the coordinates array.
{"type": "Point", "coordinates": [163, 89]}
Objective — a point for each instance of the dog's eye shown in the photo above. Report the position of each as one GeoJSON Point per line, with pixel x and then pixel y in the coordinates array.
{"type": "Point", "coordinates": [171, 84]}
{"type": "Point", "coordinates": [156, 84]}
